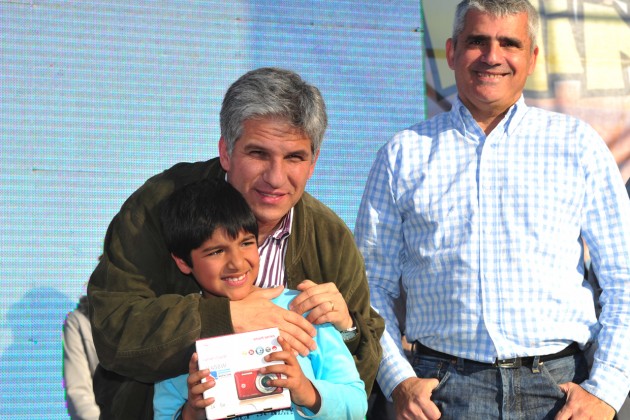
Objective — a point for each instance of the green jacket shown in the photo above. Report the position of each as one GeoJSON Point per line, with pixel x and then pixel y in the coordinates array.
{"type": "Point", "coordinates": [146, 315]}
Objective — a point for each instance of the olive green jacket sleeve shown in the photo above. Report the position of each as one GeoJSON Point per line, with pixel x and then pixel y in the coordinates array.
{"type": "Point", "coordinates": [322, 249]}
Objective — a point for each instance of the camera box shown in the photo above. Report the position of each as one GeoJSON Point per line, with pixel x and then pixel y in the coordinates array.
{"type": "Point", "coordinates": [234, 362]}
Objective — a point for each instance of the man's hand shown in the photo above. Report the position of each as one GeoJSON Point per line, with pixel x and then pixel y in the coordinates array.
{"type": "Point", "coordinates": [256, 312]}
{"type": "Point", "coordinates": [583, 405]}
{"type": "Point", "coordinates": [325, 303]}
{"type": "Point", "coordinates": [412, 399]}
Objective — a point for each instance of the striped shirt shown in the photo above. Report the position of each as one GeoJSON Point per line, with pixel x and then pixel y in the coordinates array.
{"type": "Point", "coordinates": [486, 234]}
{"type": "Point", "coordinates": [272, 251]}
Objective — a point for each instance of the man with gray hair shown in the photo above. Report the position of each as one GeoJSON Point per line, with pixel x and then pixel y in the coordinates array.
{"type": "Point", "coordinates": [482, 213]}
{"type": "Point", "coordinates": [146, 315]}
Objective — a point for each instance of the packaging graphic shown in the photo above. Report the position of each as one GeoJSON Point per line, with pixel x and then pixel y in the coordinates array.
{"type": "Point", "coordinates": [234, 362]}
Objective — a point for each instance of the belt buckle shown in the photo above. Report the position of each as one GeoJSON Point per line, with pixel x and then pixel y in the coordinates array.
{"type": "Point", "coordinates": [512, 363]}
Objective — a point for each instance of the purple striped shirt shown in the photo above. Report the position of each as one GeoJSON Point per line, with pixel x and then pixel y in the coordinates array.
{"type": "Point", "coordinates": [272, 251]}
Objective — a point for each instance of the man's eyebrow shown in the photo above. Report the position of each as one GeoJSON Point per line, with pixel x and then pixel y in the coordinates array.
{"type": "Point", "coordinates": [511, 40]}
{"type": "Point", "coordinates": [301, 152]}
{"type": "Point", "coordinates": [254, 145]}
{"type": "Point", "coordinates": [477, 38]}
{"type": "Point", "coordinates": [503, 39]}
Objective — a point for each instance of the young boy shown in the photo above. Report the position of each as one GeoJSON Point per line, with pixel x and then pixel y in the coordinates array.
{"type": "Point", "coordinates": [212, 235]}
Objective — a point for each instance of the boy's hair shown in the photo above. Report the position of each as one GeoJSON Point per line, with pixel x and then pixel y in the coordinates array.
{"type": "Point", "coordinates": [192, 214]}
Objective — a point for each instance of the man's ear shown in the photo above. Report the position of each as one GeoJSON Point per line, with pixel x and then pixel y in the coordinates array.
{"type": "Point", "coordinates": [224, 156]}
{"type": "Point", "coordinates": [450, 53]}
{"type": "Point", "coordinates": [181, 264]}
{"type": "Point", "coordinates": [313, 162]}
{"type": "Point", "coordinates": [532, 65]}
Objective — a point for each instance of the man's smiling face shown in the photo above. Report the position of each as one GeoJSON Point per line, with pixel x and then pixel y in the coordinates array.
{"type": "Point", "coordinates": [269, 166]}
{"type": "Point", "coordinates": [491, 58]}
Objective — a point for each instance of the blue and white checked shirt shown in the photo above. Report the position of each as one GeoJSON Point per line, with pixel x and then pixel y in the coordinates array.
{"type": "Point", "coordinates": [486, 233]}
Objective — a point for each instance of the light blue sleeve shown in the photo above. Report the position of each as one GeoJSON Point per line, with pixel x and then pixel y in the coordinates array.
{"type": "Point", "coordinates": [379, 236]}
{"type": "Point", "coordinates": [606, 231]}
{"type": "Point", "coordinates": [169, 397]}
{"type": "Point", "coordinates": [336, 378]}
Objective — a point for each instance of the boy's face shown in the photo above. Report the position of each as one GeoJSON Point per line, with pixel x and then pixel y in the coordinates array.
{"type": "Point", "coordinates": [224, 266]}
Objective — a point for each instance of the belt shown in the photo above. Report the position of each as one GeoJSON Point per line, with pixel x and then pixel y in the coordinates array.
{"type": "Point", "coordinates": [515, 362]}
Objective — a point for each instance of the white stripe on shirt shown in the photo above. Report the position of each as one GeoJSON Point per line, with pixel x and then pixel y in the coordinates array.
{"type": "Point", "coordinates": [272, 252]}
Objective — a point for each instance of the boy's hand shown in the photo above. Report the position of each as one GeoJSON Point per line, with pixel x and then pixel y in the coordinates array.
{"type": "Point", "coordinates": [256, 312]}
{"type": "Point", "coordinates": [303, 393]}
{"type": "Point", "coordinates": [195, 406]}
{"type": "Point", "coordinates": [325, 302]}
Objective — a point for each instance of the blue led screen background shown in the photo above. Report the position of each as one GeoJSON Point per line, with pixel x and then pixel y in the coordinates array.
{"type": "Point", "coordinates": [95, 97]}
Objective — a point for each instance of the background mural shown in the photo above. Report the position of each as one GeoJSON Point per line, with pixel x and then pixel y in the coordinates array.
{"type": "Point", "coordinates": [97, 96]}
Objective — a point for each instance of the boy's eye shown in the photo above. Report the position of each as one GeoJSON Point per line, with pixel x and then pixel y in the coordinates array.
{"type": "Point", "coordinates": [214, 252]}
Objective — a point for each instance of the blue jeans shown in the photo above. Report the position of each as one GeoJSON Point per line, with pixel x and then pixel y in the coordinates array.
{"type": "Point", "coordinates": [471, 390]}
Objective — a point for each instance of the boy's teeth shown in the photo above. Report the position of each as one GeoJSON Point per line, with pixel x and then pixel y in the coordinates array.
{"type": "Point", "coordinates": [235, 278]}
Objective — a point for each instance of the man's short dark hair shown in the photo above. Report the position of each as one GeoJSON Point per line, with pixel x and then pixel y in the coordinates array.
{"type": "Point", "coordinates": [192, 214]}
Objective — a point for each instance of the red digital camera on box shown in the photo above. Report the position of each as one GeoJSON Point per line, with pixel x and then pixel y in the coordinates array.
{"type": "Point", "coordinates": [253, 384]}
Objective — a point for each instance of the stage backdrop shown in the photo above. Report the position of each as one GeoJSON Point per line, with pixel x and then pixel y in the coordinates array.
{"type": "Point", "coordinates": [97, 96]}
{"type": "Point", "coordinates": [583, 66]}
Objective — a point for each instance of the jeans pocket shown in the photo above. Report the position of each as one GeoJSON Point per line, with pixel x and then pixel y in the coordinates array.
{"type": "Point", "coordinates": [428, 367]}
{"type": "Point", "coordinates": [567, 369]}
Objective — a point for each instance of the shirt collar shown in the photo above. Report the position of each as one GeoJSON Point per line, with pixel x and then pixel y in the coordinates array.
{"type": "Point", "coordinates": [284, 228]}
{"type": "Point", "coordinates": [465, 123]}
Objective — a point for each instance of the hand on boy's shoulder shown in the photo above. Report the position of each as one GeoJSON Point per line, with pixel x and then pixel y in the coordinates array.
{"type": "Point", "coordinates": [324, 303]}
{"type": "Point", "coordinates": [256, 312]}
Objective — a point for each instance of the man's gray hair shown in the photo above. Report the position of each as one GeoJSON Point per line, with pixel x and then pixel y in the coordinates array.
{"type": "Point", "coordinates": [271, 92]}
{"type": "Point", "coordinates": [498, 8]}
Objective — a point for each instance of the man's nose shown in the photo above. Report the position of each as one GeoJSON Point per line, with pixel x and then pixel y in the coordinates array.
{"type": "Point", "coordinates": [492, 53]}
{"type": "Point", "coordinates": [275, 173]}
